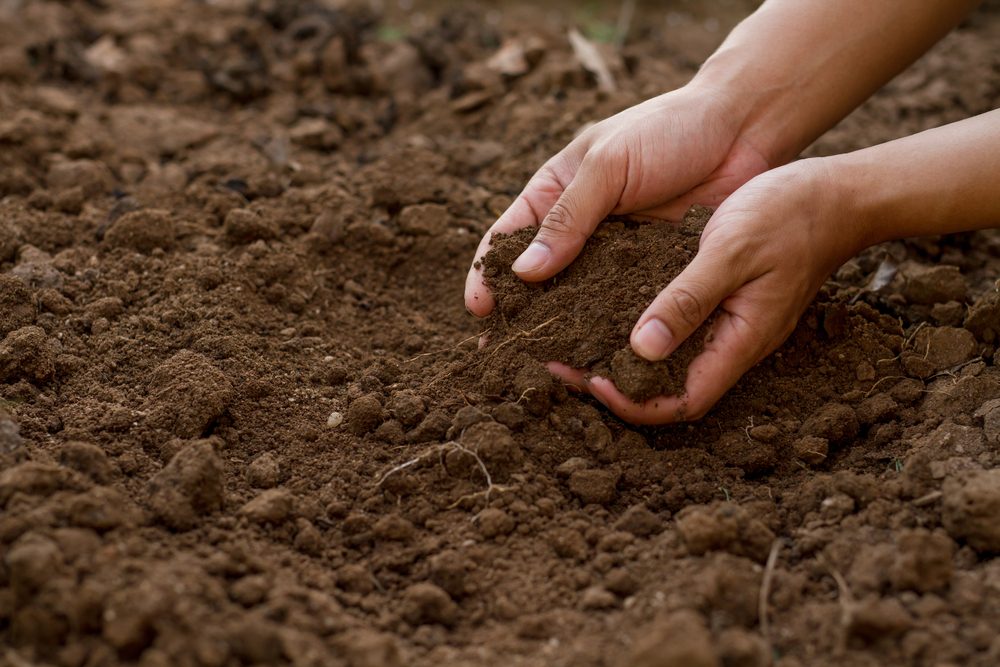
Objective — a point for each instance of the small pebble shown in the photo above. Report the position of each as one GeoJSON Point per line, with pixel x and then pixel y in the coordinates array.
{"type": "Point", "coordinates": [335, 419]}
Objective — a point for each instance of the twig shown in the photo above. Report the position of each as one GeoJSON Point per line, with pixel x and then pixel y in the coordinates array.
{"type": "Point", "coordinates": [624, 23]}
{"type": "Point", "coordinates": [846, 600]}
{"type": "Point", "coordinates": [765, 590]}
{"type": "Point", "coordinates": [888, 377]}
{"type": "Point", "coordinates": [928, 499]}
{"type": "Point", "coordinates": [440, 451]}
{"type": "Point", "coordinates": [450, 349]}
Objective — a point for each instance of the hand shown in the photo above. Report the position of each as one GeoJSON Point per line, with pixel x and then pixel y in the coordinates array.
{"type": "Point", "coordinates": [655, 159]}
{"type": "Point", "coordinates": [763, 256]}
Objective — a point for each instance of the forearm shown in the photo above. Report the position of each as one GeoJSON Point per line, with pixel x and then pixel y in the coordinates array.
{"type": "Point", "coordinates": [796, 67]}
{"type": "Point", "coordinates": [940, 181]}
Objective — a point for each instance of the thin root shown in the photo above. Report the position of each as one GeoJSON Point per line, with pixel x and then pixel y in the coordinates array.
{"type": "Point", "coordinates": [524, 335]}
{"type": "Point", "coordinates": [765, 590]}
{"type": "Point", "coordinates": [450, 349]}
{"type": "Point", "coordinates": [439, 452]}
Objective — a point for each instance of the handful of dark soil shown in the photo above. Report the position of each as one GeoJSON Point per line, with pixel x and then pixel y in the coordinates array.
{"type": "Point", "coordinates": [583, 316]}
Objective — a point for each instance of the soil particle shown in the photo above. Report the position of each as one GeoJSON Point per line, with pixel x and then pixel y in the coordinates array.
{"type": "Point", "coordinates": [875, 409]}
{"type": "Point", "coordinates": [989, 413]}
{"type": "Point", "coordinates": [602, 284]}
{"type": "Point", "coordinates": [31, 561]}
{"type": "Point", "coordinates": [639, 521]}
{"type": "Point", "coordinates": [811, 449]}
{"type": "Point", "coordinates": [597, 598]}
{"type": "Point", "coordinates": [426, 603]}
{"type": "Point", "coordinates": [494, 522]}
{"type": "Point", "coordinates": [187, 393]}
{"type": "Point", "coordinates": [367, 648]}
{"type": "Point", "coordinates": [510, 415]}
{"type": "Point", "coordinates": [738, 449]}
{"type": "Point", "coordinates": [394, 528]}
{"type": "Point", "coordinates": [464, 418]}
{"type": "Point", "coordinates": [451, 571]}
{"type": "Point", "coordinates": [740, 648]}
{"type": "Point", "coordinates": [424, 220]}
{"type": "Point", "coordinates": [143, 231]}
{"type": "Point", "coordinates": [873, 619]}
{"type": "Point", "coordinates": [945, 347]}
{"type": "Point", "coordinates": [569, 543]}
{"type": "Point", "coordinates": [190, 486]}
{"type": "Point", "coordinates": [11, 441]}
{"type": "Point", "coordinates": [432, 428]}
{"type": "Point", "coordinates": [272, 506]}
{"type": "Point", "coordinates": [971, 505]}
{"type": "Point", "coordinates": [264, 472]}
{"type": "Point", "coordinates": [923, 562]}
{"type": "Point", "coordinates": [10, 241]}
{"type": "Point", "coordinates": [934, 284]}
{"type": "Point", "coordinates": [494, 444]}
{"type": "Point", "coordinates": [28, 354]}
{"type": "Point", "coordinates": [680, 639]}
{"type": "Point", "coordinates": [983, 318]}
{"type": "Point", "coordinates": [93, 177]}
{"type": "Point", "coordinates": [407, 407]}
{"type": "Point", "coordinates": [87, 459]}
{"type": "Point", "coordinates": [724, 527]}
{"type": "Point", "coordinates": [621, 581]}
{"type": "Point", "coordinates": [835, 422]}
{"type": "Point", "coordinates": [598, 487]}
{"type": "Point", "coordinates": [364, 414]}
{"type": "Point", "coordinates": [17, 308]}
{"type": "Point", "coordinates": [101, 509]}
{"type": "Point", "coordinates": [244, 226]}
{"type": "Point", "coordinates": [38, 479]}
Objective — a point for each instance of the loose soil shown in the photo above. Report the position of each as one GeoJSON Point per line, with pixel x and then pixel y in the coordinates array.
{"type": "Point", "coordinates": [584, 316]}
{"type": "Point", "coordinates": [244, 419]}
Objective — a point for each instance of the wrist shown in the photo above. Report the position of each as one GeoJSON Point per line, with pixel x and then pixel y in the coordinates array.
{"type": "Point", "coordinates": [752, 102]}
{"type": "Point", "coordinates": [854, 192]}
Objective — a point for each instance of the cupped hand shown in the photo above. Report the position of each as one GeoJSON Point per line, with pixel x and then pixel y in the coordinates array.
{"type": "Point", "coordinates": [654, 159]}
{"type": "Point", "coordinates": [763, 256]}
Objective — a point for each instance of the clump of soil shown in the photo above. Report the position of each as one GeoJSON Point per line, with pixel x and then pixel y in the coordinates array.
{"type": "Point", "coordinates": [583, 316]}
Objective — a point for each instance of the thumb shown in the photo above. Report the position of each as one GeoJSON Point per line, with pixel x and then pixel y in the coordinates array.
{"type": "Point", "coordinates": [588, 199]}
{"type": "Point", "coordinates": [683, 305]}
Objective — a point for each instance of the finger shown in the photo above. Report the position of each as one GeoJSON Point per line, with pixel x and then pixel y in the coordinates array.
{"type": "Point", "coordinates": [571, 377]}
{"type": "Point", "coordinates": [478, 299]}
{"type": "Point", "coordinates": [656, 411]}
{"type": "Point", "coordinates": [589, 198]}
{"type": "Point", "coordinates": [685, 304]}
{"type": "Point", "coordinates": [528, 210]}
{"type": "Point", "coordinates": [735, 346]}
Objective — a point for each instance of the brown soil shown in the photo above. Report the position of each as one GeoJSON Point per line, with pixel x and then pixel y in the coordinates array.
{"type": "Point", "coordinates": [584, 316]}
{"type": "Point", "coordinates": [243, 419]}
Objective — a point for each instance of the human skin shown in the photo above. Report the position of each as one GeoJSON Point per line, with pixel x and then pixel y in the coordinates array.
{"type": "Point", "coordinates": [780, 79]}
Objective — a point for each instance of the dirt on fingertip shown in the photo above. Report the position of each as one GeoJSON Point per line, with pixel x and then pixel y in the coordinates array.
{"type": "Point", "coordinates": [583, 316]}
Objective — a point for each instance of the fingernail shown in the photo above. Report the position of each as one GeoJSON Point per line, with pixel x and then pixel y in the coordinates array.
{"type": "Point", "coordinates": [533, 258]}
{"type": "Point", "coordinates": [653, 340]}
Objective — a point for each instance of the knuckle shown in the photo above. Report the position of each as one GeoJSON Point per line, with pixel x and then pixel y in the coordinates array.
{"type": "Point", "coordinates": [686, 305]}
{"type": "Point", "coordinates": [559, 221]}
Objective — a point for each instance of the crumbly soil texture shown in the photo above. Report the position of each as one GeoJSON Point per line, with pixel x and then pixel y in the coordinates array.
{"type": "Point", "coordinates": [583, 317]}
{"type": "Point", "coordinates": [244, 419]}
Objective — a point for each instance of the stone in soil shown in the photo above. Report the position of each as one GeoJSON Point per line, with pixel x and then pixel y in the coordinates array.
{"type": "Point", "coordinates": [970, 507]}
{"type": "Point", "coordinates": [190, 486]}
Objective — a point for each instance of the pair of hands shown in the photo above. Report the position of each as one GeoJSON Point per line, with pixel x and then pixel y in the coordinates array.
{"type": "Point", "coordinates": [771, 243]}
